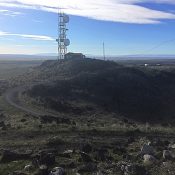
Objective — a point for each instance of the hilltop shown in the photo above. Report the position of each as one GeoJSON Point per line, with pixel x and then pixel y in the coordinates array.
{"type": "Point", "coordinates": [79, 86]}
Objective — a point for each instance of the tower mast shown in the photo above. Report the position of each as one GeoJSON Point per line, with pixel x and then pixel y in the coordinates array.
{"type": "Point", "coordinates": [62, 40]}
{"type": "Point", "coordinates": [104, 56]}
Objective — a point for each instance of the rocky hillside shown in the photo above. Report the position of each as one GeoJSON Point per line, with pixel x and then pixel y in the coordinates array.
{"type": "Point", "coordinates": [80, 86]}
{"type": "Point", "coordinates": [63, 69]}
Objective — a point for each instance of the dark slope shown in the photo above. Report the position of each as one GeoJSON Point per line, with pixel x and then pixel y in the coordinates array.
{"type": "Point", "coordinates": [52, 70]}
{"type": "Point", "coordinates": [94, 85]}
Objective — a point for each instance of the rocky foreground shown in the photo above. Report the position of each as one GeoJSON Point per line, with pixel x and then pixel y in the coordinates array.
{"type": "Point", "coordinates": [153, 157]}
{"type": "Point", "coordinates": [112, 120]}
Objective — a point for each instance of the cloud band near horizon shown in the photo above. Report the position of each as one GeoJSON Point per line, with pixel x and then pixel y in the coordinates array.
{"type": "Point", "coordinates": [28, 36]}
{"type": "Point", "coordinates": [131, 11]}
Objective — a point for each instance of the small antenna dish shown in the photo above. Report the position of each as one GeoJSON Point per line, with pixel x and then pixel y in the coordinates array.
{"type": "Point", "coordinates": [66, 18]}
{"type": "Point", "coordinates": [67, 42]}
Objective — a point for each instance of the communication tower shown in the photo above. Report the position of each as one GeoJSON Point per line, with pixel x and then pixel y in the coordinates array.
{"type": "Point", "coordinates": [62, 40]}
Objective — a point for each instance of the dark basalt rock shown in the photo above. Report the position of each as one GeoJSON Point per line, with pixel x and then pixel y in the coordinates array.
{"type": "Point", "coordinates": [43, 158]}
{"type": "Point", "coordinates": [8, 156]}
{"type": "Point", "coordinates": [43, 170]}
{"type": "Point", "coordinates": [85, 157]}
{"type": "Point", "coordinates": [58, 171]}
{"type": "Point", "coordinates": [2, 124]}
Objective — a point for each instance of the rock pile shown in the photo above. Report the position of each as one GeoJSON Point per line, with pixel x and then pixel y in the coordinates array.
{"type": "Point", "coordinates": [95, 160]}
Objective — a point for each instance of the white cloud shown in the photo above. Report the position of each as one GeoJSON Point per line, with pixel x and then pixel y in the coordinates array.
{"type": "Point", "coordinates": [3, 33]}
{"type": "Point", "coordinates": [11, 13]}
{"type": "Point", "coordinates": [127, 11]}
{"type": "Point", "coordinates": [33, 37]}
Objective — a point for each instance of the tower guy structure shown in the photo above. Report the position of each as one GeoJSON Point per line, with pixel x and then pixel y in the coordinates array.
{"type": "Point", "coordinates": [62, 40]}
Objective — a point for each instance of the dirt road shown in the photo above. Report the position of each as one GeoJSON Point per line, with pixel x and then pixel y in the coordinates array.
{"type": "Point", "coordinates": [12, 97]}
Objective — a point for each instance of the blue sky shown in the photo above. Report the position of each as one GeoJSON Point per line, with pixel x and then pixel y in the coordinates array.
{"type": "Point", "coordinates": [127, 27]}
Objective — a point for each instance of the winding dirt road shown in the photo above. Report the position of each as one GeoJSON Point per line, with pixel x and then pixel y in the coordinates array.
{"type": "Point", "coordinates": [12, 97]}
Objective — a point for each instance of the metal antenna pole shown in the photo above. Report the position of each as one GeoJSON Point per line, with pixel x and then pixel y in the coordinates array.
{"type": "Point", "coordinates": [62, 40]}
{"type": "Point", "coordinates": [104, 56]}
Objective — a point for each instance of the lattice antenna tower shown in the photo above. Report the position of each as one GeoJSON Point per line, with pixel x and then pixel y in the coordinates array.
{"type": "Point", "coordinates": [62, 40]}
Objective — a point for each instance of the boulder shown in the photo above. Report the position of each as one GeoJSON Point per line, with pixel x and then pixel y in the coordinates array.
{"type": "Point", "coordinates": [166, 164]}
{"type": "Point", "coordinates": [2, 124]}
{"type": "Point", "coordinates": [57, 171]}
{"type": "Point", "coordinates": [168, 155]}
{"type": "Point", "coordinates": [28, 167]}
{"type": "Point", "coordinates": [43, 170]}
{"type": "Point", "coordinates": [149, 159]}
{"type": "Point", "coordinates": [171, 146]}
{"type": "Point", "coordinates": [132, 169]}
{"type": "Point", "coordinates": [43, 158]}
{"type": "Point", "coordinates": [67, 153]}
{"type": "Point", "coordinates": [147, 149]}
{"type": "Point", "coordinates": [129, 169]}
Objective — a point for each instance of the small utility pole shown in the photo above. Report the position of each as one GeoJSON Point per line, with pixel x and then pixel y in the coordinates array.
{"type": "Point", "coordinates": [104, 56]}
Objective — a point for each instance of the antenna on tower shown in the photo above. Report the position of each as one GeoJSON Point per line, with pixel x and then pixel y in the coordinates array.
{"type": "Point", "coordinates": [104, 55]}
{"type": "Point", "coordinates": [62, 40]}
